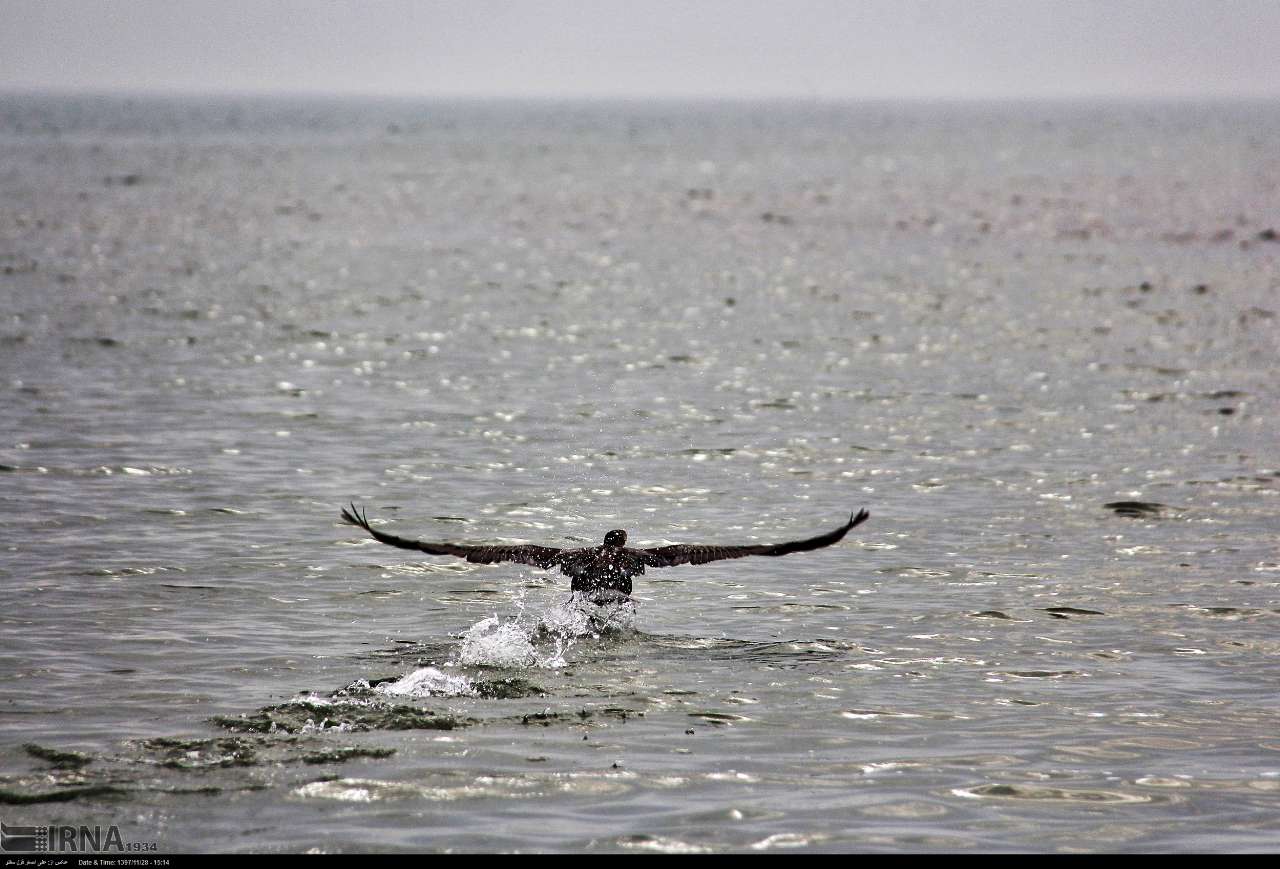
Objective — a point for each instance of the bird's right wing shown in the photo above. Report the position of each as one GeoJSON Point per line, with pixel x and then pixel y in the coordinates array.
{"type": "Point", "coordinates": [544, 557]}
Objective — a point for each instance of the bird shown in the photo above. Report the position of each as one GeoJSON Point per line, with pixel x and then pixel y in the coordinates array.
{"type": "Point", "coordinates": [606, 568]}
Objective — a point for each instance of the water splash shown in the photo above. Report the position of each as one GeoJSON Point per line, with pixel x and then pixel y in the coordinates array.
{"type": "Point", "coordinates": [428, 682]}
{"type": "Point", "coordinates": [589, 615]}
{"type": "Point", "coordinates": [495, 643]}
{"type": "Point", "coordinates": [538, 640]}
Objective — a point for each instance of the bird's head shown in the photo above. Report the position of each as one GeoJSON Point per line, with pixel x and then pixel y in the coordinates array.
{"type": "Point", "coordinates": [615, 538]}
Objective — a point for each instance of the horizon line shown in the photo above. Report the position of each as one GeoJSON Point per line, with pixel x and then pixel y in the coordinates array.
{"type": "Point", "coordinates": [163, 92]}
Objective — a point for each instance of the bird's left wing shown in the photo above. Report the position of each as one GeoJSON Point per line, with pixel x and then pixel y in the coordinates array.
{"type": "Point", "coordinates": [544, 557]}
{"type": "Point", "coordinates": [683, 553]}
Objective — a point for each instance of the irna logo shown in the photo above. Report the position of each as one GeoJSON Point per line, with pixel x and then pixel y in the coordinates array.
{"type": "Point", "coordinates": [62, 838]}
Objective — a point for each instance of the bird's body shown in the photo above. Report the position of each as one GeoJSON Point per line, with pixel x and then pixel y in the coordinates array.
{"type": "Point", "coordinates": [610, 566]}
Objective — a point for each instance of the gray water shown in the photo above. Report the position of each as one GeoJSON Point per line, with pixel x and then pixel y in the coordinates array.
{"type": "Point", "coordinates": [224, 320]}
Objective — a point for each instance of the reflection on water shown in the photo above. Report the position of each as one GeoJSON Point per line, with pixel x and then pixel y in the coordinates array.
{"type": "Point", "coordinates": [1036, 342]}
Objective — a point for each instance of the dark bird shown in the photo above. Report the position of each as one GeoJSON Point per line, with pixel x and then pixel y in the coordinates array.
{"type": "Point", "coordinates": [608, 567]}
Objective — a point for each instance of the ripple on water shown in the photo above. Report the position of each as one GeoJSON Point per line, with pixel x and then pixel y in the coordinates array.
{"type": "Point", "coordinates": [873, 714]}
{"type": "Point", "coordinates": [910, 809]}
{"type": "Point", "coordinates": [662, 845]}
{"type": "Point", "coordinates": [1037, 674]}
{"type": "Point", "coordinates": [447, 392]}
{"type": "Point", "coordinates": [996, 614]}
{"type": "Point", "coordinates": [788, 840]}
{"type": "Point", "coordinates": [721, 718]}
{"type": "Point", "coordinates": [454, 787]}
{"type": "Point", "coordinates": [355, 790]}
{"type": "Point", "coordinates": [1046, 794]}
{"type": "Point", "coordinates": [793, 608]}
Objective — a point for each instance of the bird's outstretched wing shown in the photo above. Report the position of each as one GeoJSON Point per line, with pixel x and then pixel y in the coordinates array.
{"type": "Point", "coordinates": [544, 557]}
{"type": "Point", "coordinates": [668, 556]}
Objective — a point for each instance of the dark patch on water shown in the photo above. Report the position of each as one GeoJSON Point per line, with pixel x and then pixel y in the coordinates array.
{"type": "Point", "coordinates": [12, 797]}
{"type": "Point", "coordinates": [506, 689]}
{"type": "Point", "coordinates": [188, 755]}
{"type": "Point", "coordinates": [177, 753]}
{"type": "Point", "coordinates": [501, 688]}
{"type": "Point", "coordinates": [1031, 792]}
{"type": "Point", "coordinates": [345, 753]}
{"type": "Point", "coordinates": [359, 707]}
{"type": "Point", "coordinates": [57, 758]}
{"type": "Point", "coordinates": [546, 717]}
{"type": "Point", "coordinates": [1136, 509]}
{"type": "Point", "coordinates": [1063, 612]}
{"type": "Point", "coordinates": [301, 716]}
{"type": "Point", "coordinates": [719, 719]}
{"type": "Point", "coordinates": [1228, 613]}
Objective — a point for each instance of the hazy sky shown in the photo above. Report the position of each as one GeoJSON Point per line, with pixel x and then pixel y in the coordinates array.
{"type": "Point", "coordinates": [638, 48]}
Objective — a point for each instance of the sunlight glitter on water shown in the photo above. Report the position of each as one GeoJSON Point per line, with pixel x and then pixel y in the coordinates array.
{"type": "Point", "coordinates": [1042, 358]}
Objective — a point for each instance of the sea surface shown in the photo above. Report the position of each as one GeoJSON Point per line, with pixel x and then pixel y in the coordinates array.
{"type": "Point", "coordinates": [1039, 342]}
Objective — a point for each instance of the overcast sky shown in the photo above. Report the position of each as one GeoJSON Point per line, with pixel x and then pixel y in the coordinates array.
{"type": "Point", "coordinates": [824, 49]}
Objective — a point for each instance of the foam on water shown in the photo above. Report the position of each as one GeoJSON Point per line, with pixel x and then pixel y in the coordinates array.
{"type": "Point", "coordinates": [541, 641]}
{"type": "Point", "coordinates": [428, 682]}
{"type": "Point", "coordinates": [496, 643]}
{"type": "Point", "coordinates": [522, 641]}
{"type": "Point", "coordinates": [589, 616]}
